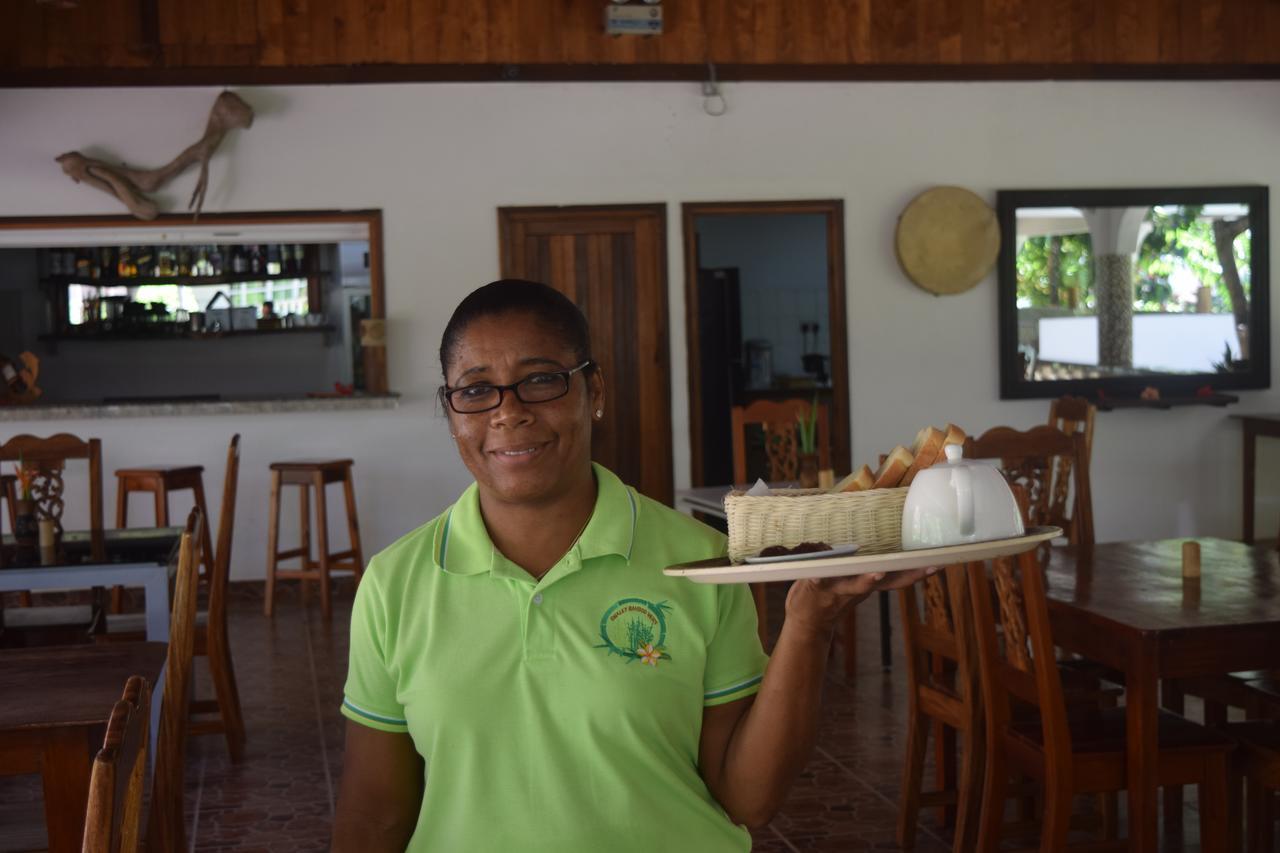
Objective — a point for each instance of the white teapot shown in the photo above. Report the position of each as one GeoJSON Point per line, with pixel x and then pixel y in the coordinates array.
{"type": "Point", "coordinates": [957, 502]}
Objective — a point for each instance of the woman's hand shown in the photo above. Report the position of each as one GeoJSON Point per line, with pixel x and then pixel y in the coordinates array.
{"type": "Point", "coordinates": [815, 604]}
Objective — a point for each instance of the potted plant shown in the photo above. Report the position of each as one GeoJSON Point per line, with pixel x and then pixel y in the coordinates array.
{"type": "Point", "coordinates": [26, 530]}
{"type": "Point", "coordinates": [808, 430]}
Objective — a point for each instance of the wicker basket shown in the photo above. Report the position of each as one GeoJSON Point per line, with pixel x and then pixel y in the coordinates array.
{"type": "Point", "coordinates": [872, 519]}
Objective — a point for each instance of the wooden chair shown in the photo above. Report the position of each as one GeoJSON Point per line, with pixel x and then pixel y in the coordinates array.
{"type": "Point", "coordinates": [942, 694]}
{"type": "Point", "coordinates": [1257, 764]}
{"type": "Point", "coordinates": [114, 815]}
{"type": "Point", "coordinates": [1083, 752]}
{"type": "Point", "coordinates": [166, 828]}
{"type": "Point", "coordinates": [778, 421]}
{"type": "Point", "coordinates": [1032, 461]}
{"type": "Point", "coordinates": [211, 639]}
{"type": "Point", "coordinates": [28, 625]}
{"type": "Point", "coordinates": [49, 457]}
{"type": "Point", "coordinates": [211, 636]}
{"type": "Point", "coordinates": [1075, 415]}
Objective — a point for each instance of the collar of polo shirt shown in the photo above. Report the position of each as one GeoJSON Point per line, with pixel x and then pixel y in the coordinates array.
{"type": "Point", "coordinates": [462, 545]}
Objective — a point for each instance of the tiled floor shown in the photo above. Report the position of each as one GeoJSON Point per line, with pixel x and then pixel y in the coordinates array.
{"type": "Point", "coordinates": [291, 670]}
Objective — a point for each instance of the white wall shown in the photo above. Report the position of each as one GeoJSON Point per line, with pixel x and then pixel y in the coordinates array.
{"type": "Point", "coordinates": [438, 159]}
{"type": "Point", "coordinates": [782, 264]}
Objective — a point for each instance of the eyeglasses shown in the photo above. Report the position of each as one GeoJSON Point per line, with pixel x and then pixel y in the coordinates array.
{"type": "Point", "coordinates": [534, 388]}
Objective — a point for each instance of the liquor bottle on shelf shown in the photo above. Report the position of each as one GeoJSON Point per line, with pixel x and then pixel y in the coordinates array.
{"type": "Point", "coordinates": [288, 265]}
{"type": "Point", "coordinates": [273, 259]}
{"type": "Point", "coordinates": [124, 263]}
{"type": "Point", "coordinates": [82, 264]}
{"type": "Point", "coordinates": [145, 262]}
{"type": "Point", "coordinates": [184, 260]}
{"type": "Point", "coordinates": [215, 260]}
{"type": "Point", "coordinates": [107, 260]}
{"type": "Point", "coordinates": [255, 260]}
{"type": "Point", "coordinates": [239, 261]}
{"type": "Point", "coordinates": [164, 261]}
{"type": "Point", "coordinates": [299, 259]}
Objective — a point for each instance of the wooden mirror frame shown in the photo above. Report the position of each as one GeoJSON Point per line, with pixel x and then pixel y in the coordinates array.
{"type": "Point", "coordinates": [833, 210]}
{"type": "Point", "coordinates": [375, 355]}
{"type": "Point", "coordinates": [1258, 375]}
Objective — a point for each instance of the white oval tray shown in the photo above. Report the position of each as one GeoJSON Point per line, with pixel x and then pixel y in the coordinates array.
{"type": "Point", "coordinates": [721, 570]}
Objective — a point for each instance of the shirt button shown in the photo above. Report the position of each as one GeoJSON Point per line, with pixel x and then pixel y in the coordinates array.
{"type": "Point", "coordinates": [537, 599]}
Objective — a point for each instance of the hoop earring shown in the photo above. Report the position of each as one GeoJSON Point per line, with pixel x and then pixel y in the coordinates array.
{"type": "Point", "coordinates": [599, 414]}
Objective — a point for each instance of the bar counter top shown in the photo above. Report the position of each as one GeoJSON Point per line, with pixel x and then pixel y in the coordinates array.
{"type": "Point", "coordinates": [161, 407]}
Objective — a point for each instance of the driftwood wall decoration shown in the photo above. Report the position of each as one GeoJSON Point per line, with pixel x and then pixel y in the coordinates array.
{"type": "Point", "coordinates": [132, 185]}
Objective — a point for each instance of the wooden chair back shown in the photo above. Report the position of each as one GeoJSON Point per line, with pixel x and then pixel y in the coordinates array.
{"type": "Point", "coordinates": [939, 637]}
{"type": "Point", "coordinates": [778, 419]}
{"type": "Point", "coordinates": [217, 623]}
{"type": "Point", "coordinates": [1074, 415]}
{"type": "Point", "coordinates": [165, 826]}
{"type": "Point", "coordinates": [944, 695]}
{"type": "Point", "coordinates": [49, 457]}
{"type": "Point", "coordinates": [114, 814]}
{"type": "Point", "coordinates": [1016, 660]}
{"type": "Point", "coordinates": [1030, 461]}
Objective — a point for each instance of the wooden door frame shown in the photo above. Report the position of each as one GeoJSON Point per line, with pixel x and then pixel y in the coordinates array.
{"type": "Point", "coordinates": [833, 210]}
{"type": "Point", "coordinates": [509, 253]}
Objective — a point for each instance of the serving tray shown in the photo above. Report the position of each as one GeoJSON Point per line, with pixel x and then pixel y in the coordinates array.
{"type": "Point", "coordinates": [721, 570]}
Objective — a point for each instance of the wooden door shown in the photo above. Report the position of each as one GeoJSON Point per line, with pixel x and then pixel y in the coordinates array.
{"type": "Point", "coordinates": [611, 261]}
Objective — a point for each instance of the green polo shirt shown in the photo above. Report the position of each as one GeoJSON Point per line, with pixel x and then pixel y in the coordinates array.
{"type": "Point", "coordinates": [560, 714]}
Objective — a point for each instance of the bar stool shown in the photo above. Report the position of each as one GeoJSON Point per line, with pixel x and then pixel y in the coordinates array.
{"type": "Point", "coordinates": [311, 474]}
{"type": "Point", "coordinates": [159, 481]}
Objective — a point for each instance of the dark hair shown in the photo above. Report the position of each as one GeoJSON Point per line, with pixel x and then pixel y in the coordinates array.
{"type": "Point", "coordinates": [517, 296]}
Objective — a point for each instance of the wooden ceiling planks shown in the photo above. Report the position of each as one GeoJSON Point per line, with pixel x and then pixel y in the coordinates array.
{"type": "Point", "coordinates": [830, 38]}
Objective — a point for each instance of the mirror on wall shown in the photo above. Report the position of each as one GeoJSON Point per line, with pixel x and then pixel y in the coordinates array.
{"type": "Point", "coordinates": [1108, 292]}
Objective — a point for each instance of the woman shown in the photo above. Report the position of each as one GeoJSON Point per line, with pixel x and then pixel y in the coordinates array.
{"type": "Point", "coordinates": [523, 676]}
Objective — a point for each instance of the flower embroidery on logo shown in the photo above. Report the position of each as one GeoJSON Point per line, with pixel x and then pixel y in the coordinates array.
{"type": "Point", "coordinates": [649, 655]}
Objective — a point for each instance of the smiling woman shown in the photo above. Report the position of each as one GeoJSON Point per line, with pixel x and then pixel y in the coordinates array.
{"type": "Point", "coordinates": [526, 647]}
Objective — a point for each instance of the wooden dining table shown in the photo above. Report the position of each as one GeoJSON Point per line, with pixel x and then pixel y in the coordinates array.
{"type": "Point", "coordinates": [56, 702]}
{"type": "Point", "coordinates": [1127, 605]}
{"type": "Point", "coordinates": [133, 557]}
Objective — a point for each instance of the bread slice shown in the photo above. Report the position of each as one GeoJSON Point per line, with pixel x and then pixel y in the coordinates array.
{"type": "Point", "coordinates": [894, 468]}
{"type": "Point", "coordinates": [955, 435]}
{"type": "Point", "coordinates": [927, 449]}
{"type": "Point", "coordinates": [858, 481]}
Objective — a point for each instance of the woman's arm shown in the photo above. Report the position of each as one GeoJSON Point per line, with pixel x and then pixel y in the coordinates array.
{"type": "Point", "coordinates": [752, 750]}
{"type": "Point", "coordinates": [381, 792]}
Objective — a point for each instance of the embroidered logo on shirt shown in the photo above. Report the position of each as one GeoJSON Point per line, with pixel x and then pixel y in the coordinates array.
{"type": "Point", "coordinates": [636, 630]}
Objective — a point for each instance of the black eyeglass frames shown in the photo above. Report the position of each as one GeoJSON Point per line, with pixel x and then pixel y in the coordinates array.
{"type": "Point", "coordinates": [540, 387]}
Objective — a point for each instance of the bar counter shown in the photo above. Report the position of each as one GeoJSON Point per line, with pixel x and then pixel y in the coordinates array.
{"type": "Point", "coordinates": [165, 407]}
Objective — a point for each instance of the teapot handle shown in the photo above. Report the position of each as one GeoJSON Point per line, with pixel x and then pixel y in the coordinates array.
{"type": "Point", "coordinates": [962, 480]}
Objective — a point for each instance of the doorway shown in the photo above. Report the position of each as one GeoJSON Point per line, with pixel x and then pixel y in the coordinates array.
{"type": "Point", "coordinates": [611, 261]}
{"type": "Point", "coordinates": [765, 315]}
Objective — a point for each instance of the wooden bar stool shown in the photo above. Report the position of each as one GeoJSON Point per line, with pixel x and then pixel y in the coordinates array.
{"type": "Point", "coordinates": [159, 481]}
{"type": "Point", "coordinates": [312, 474]}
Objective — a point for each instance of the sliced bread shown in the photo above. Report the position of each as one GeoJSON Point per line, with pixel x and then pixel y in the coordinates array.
{"type": "Point", "coordinates": [925, 452]}
{"type": "Point", "coordinates": [858, 481]}
{"type": "Point", "coordinates": [894, 468]}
